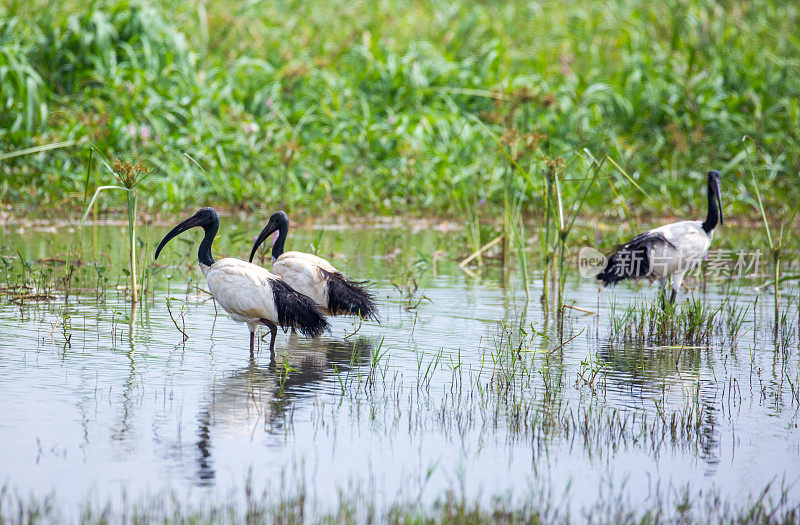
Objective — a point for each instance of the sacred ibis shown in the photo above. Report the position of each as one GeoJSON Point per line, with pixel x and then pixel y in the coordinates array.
{"type": "Point", "coordinates": [250, 294]}
{"type": "Point", "coordinates": [668, 251]}
{"type": "Point", "coordinates": [330, 289]}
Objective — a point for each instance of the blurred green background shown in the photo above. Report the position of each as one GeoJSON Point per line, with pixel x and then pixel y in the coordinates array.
{"type": "Point", "coordinates": [390, 107]}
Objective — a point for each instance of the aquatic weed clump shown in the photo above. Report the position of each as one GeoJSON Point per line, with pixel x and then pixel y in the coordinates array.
{"type": "Point", "coordinates": [646, 323]}
{"type": "Point", "coordinates": [296, 502]}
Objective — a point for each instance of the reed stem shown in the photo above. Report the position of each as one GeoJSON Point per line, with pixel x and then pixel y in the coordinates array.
{"type": "Point", "coordinates": [132, 201]}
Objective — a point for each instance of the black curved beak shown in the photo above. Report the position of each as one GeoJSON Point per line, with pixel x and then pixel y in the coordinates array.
{"type": "Point", "coordinates": [719, 200]}
{"type": "Point", "coordinates": [268, 230]}
{"type": "Point", "coordinates": [189, 223]}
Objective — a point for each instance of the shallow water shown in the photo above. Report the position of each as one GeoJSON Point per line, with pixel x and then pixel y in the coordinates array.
{"type": "Point", "coordinates": [101, 402]}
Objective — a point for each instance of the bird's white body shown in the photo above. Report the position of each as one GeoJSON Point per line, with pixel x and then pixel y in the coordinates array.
{"type": "Point", "coordinates": [669, 251]}
{"type": "Point", "coordinates": [303, 272]}
{"type": "Point", "coordinates": [316, 279]}
{"type": "Point", "coordinates": [249, 293]}
{"type": "Point", "coordinates": [243, 290]}
{"type": "Point", "coordinates": [688, 244]}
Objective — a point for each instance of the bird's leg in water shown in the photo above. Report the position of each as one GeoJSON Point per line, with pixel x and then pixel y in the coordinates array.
{"type": "Point", "coordinates": [252, 343]}
{"type": "Point", "coordinates": [274, 331]}
{"type": "Point", "coordinates": [663, 293]}
{"type": "Point", "coordinates": [677, 281]}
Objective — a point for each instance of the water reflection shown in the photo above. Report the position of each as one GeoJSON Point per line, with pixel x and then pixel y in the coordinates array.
{"type": "Point", "coordinates": [665, 376]}
{"type": "Point", "coordinates": [125, 424]}
{"type": "Point", "coordinates": [266, 395]}
{"type": "Point", "coordinates": [84, 376]}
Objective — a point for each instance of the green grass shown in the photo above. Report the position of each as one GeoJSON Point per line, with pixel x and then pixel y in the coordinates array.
{"type": "Point", "coordinates": [363, 505]}
{"type": "Point", "coordinates": [369, 107]}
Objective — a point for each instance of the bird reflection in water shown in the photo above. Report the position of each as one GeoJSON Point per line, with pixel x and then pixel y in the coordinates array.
{"type": "Point", "coordinates": [645, 375]}
{"type": "Point", "coordinates": [244, 398]}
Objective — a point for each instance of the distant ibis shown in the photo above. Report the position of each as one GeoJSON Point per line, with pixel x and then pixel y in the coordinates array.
{"type": "Point", "coordinates": [668, 251]}
{"type": "Point", "coordinates": [330, 289]}
{"type": "Point", "coordinates": [250, 294]}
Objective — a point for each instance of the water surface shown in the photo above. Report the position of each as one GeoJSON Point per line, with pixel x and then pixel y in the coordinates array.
{"type": "Point", "coordinates": [99, 401]}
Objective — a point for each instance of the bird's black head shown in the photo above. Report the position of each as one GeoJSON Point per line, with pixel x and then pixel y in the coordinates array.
{"type": "Point", "coordinates": [205, 218]}
{"type": "Point", "coordinates": [714, 188]}
{"type": "Point", "coordinates": [278, 222]}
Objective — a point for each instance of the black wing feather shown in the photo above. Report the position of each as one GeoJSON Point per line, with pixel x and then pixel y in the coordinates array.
{"type": "Point", "coordinates": [348, 297]}
{"type": "Point", "coordinates": [297, 311]}
{"type": "Point", "coordinates": [631, 260]}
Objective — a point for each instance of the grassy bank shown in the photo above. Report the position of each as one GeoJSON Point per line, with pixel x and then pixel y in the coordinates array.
{"type": "Point", "coordinates": [394, 106]}
{"type": "Point", "coordinates": [359, 505]}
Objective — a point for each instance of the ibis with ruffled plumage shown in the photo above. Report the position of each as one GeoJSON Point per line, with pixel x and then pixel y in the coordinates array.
{"type": "Point", "coordinates": [314, 276]}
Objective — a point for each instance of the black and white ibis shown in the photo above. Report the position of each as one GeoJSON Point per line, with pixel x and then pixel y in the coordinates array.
{"type": "Point", "coordinates": [250, 294]}
{"type": "Point", "coordinates": [330, 289]}
{"type": "Point", "coordinates": [668, 251]}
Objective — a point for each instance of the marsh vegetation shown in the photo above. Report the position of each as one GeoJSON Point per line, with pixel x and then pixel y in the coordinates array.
{"type": "Point", "coordinates": [477, 401]}
{"type": "Point", "coordinates": [383, 107]}
{"type": "Point", "coordinates": [501, 385]}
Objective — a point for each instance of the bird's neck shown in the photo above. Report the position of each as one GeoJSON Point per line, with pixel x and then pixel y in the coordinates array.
{"type": "Point", "coordinates": [204, 253]}
{"type": "Point", "coordinates": [713, 211]}
{"type": "Point", "coordinates": [277, 248]}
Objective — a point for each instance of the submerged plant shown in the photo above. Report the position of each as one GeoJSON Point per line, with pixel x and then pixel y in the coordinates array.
{"type": "Point", "coordinates": [644, 323]}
